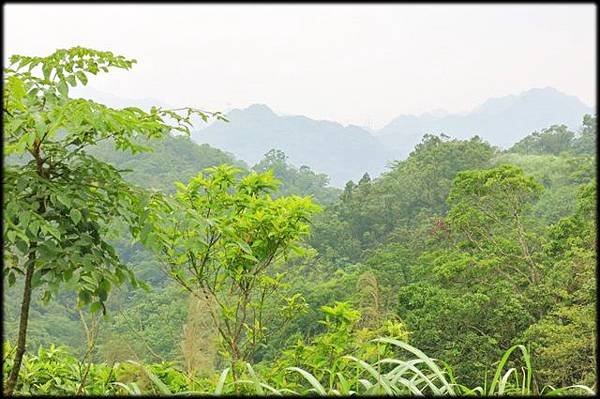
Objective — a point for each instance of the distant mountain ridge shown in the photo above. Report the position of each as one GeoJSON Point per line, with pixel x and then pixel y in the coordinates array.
{"type": "Point", "coordinates": [502, 121]}
{"type": "Point", "coordinates": [347, 152]}
{"type": "Point", "coordinates": [343, 153]}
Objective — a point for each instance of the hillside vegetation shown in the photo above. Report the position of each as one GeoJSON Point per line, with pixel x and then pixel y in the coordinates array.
{"type": "Point", "coordinates": [138, 262]}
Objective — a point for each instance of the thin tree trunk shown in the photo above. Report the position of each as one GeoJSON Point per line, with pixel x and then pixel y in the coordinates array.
{"type": "Point", "coordinates": [25, 304]}
{"type": "Point", "coordinates": [14, 372]}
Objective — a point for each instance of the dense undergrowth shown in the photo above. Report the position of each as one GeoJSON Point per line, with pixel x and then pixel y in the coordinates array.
{"type": "Point", "coordinates": [54, 371]}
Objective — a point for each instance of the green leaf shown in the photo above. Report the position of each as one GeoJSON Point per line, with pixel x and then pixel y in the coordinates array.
{"type": "Point", "coordinates": [84, 297]}
{"type": "Point", "coordinates": [96, 306]}
{"type": "Point", "coordinates": [82, 78]}
{"type": "Point", "coordinates": [46, 69]}
{"type": "Point", "coordinates": [75, 215]}
{"type": "Point", "coordinates": [250, 257]}
{"type": "Point", "coordinates": [71, 80]}
{"type": "Point", "coordinates": [40, 128]}
{"type": "Point", "coordinates": [245, 247]}
{"type": "Point", "coordinates": [63, 199]}
{"type": "Point", "coordinates": [22, 246]}
{"type": "Point", "coordinates": [63, 89]}
{"type": "Point", "coordinates": [36, 280]}
{"type": "Point", "coordinates": [17, 87]}
{"type": "Point", "coordinates": [68, 274]}
{"type": "Point", "coordinates": [89, 279]}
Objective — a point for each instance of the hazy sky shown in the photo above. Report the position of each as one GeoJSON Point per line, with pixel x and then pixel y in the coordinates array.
{"type": "Point", "coordinates": [349, 63]}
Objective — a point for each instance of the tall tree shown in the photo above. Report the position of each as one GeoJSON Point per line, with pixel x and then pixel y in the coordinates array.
{"type": "Point", "coordinates": [489, 214]}
{"type": "Point", "coordinates": [59, 201]}
{"type": "Point", "coordinates": [553, 140]}
{"type": "Point", "coordinates": [219, 239]}
{"type": "Point", "coordinates": [297, 181]}
{"type": "Point", "coordinates": [585, 142]}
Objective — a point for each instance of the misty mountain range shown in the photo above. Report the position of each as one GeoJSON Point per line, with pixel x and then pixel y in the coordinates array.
{"type": "Point", "coordinates": [346, 152]}
{"type": "Point", "coordinates": [501, 121]}
{"type": "Point", "coordinates": [343, 153]}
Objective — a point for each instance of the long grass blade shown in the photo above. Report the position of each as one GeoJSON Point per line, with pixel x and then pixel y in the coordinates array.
{"type": "Point", "coordinates": [381, 379]}
{"type": "Point", "coordinates": [428, 361]}
{"type": "Point", "coordinates": [504, 360]}
{"type": "Point", "coordinates": [257, 386]}
{"type": "Point", "coordinates": [221, 383]}
{"type": "Point", "coordinates": [311, 380]}
{"type": "Point", "coordinates": [560, 391]}
{"type": "Point", "coordinates": [344, 385]}
{"type": "Point", "coordinates": [411, 386]}
{"type": "Point", "coordinates": [403, 366]}
{"type": "Point", "coordinates": [504, 380]}
{"type": "Point", "coordinates": [365, 383]}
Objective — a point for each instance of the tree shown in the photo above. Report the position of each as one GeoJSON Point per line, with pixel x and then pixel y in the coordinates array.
{"type": "Point", "coordinates": [219, 238]}
{"type": "Point", "coordinates": [366, 179]}
{"type": "Point", "coordinates": [60, 201]}
{"type": "Point", "coordinates": [488, 208]}
{"type": "Point", "coordinates": [553, 140]}
{"type": "Point", "coordinates": [393, 206]}
{"type": "Point", "coordinates": [297, 181]}
{"type": "Point", "coordinates": [478, 273]}
{"type": "Point", "coordinates": [585, 142]}
{"type": "Point", "coordinates": [564, 339]}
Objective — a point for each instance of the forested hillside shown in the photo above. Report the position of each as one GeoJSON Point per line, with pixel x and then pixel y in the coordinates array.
{"type": "Point", "coordinates": [178, 159]}
{"type": "Point", "coordinates": [172, 159]}
{"type": "Point", "coordinates": [156, 265]}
